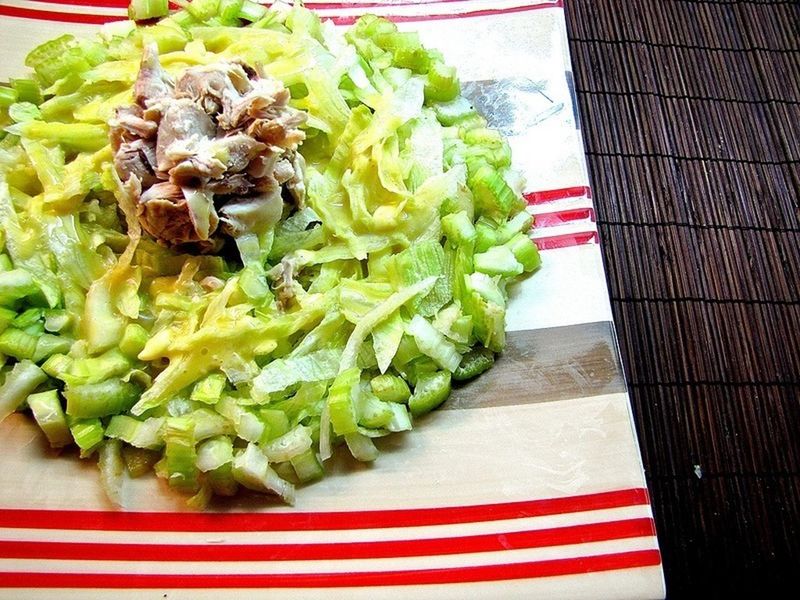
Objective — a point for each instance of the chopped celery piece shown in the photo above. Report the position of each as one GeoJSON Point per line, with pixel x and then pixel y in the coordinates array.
{"type": "Point", "coordinates": [307, 466]}
{"type": "Point", "coordinates": [341, 404]}
{"type": "Point", "coordinates": [431, 390]}
{"type": "Point", "coordinates": [432, 343]}
{"type": "Point", "coordinates": [290, 444]}
{"type": "Point", "coordinates": [111, 469]}
{"type": "Point", "coordinates": [48, 344]}
{"type": "Point", "coordinates": [209, 389]}
{"type": "Point", "coordinates": [56, 320]}
{"type": "Point", "coordinates": [7, 317]}
{"type": "Point", "coordinates": [144, 10]}
{"type": "Point", "coordinates": [17, 343]}
{"type": "Point", "coordinates": [27, 90]}
{"type": "Point", "coordinates": [474, 363]}
{"type": "Point", "coordinates": [246, 424]}
{"type": "Point", "coordinates": [390, 388]}
{"type": "Point", "coordinates": [222, 481]}
{"type": "Point", "coordinates": [276, 423]}
{"type": "Point", "coordinates": [450, 113]}
{"type": "Point", "coordinates": [133, 341]}
{"type": "Point", "coordinates": [442, 83]}
{"type": "Point", "coordinates": [47, 410]}
{"type": "Point", "coordinates": [27, 318]}
{"type": "Point", "coordinates": [57, 365]}
{"type": "Point", "coordinates": [214, 453]}
{"type": "Point", "coordinates": [145, 434]}
{"type": "Point", "coordinates": [8, 96]}
{"type": "Point", "coordinates": [180, 454]}
{"type": "Point", "coordinates": [458, 228]}
{"type": "Point", "coordinates": [98, 369]}
{"type": "Point", "coordinates": [493, 196]}
{"type": "Point", "coordinates": [251, 469]}
{"type": "Point", "coordinates": [208, 423]}
{"type": "Point", "coordinates": [23, 379]}
{"type": "Point", "coordinates": [109, 397]}
{"type": "Point", "coordinates": [498, 260]}
{"type": "Point", "coordinates": [374, 413]}
{"type": "Point", "coordinates": [251, 11]}
{"type": "Point", "coordinates": [401, 420]}
{"type": "Point", "coordinates": [87, 433]}
{"type": "Point", "coordinates": [139, 461]}
{"type": "Point", "coordinates": [361, 447]}
{"type": "Point", "coordinates": [525, 251]}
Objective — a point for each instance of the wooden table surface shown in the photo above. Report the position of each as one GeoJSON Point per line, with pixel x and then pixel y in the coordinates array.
{"type": "Point", "coordinates": [691, 118]}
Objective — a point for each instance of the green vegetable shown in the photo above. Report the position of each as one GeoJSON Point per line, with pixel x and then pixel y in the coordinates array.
{"type": "Point", "coordinates": [371, 286]}
{"type": "Point", "coordinates": [23, 379]}
{"type": "Point", "coordinates": [431, 390]}
{"type": "Point", "coordinates": [111, 468]}
{"type": "Point", "coordinates": [209, 389]}
{"type": "Point", "coordinates": [144, 10]}
{"type": "Point", "coordinates": [180, 454]}
{"type": "Point", "coordinates": [473, 364]}
{"type": "Point", "coordinates": [390, 388]}
{"type": "Point", "coordinates": [109, 397]}
{"type": "Point", "coordinates": [47, 410]}
{"type": "Point", "coordinates": [87, 433]}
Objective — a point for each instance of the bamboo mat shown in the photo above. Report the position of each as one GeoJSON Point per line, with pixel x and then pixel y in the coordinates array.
{"type": "Point", "coordinates": [691, 116]}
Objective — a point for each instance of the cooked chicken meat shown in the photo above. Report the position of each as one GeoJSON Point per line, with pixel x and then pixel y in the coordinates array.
{"type": "Point", "coordinates": [217, 147]}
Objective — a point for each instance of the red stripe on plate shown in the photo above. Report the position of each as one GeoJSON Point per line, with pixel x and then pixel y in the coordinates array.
{"type": "Point", "coordinates": [551, 195]}
{"type": "Point", "coordinates": [566, 240]}
{"type": "Point", "coordinates": [487, 12]}
{"type": "Point", "coordinates": [526, 570]}
{"type": "Point", "coordinates": [66, 17]}
{"type": "Point", "coordinates": [291, 521]}
{"type": "Point", "coordinates": [552, 219]}
{"type": "Point", "coordinates": [495, 542]}
{"type": "Point", "coordinates": [92, 3]}
{"type": "Point", "coordinates": [313, 5]}
{"type": "Point", "coordinates": [47, 15]}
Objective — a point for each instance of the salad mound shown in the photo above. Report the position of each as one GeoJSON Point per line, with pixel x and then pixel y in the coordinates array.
{"type": "Point", "coordinates": [235, 238]}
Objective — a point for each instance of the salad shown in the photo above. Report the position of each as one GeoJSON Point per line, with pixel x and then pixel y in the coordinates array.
{"type": "Point", "coordinates": [235, 238]}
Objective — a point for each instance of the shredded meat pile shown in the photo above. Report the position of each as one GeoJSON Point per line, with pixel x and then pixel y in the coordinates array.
{"type": "Point", "coordinates": [213, 151]}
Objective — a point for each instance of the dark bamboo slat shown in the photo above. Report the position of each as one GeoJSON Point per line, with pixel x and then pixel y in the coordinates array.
{"type": "Point", "coordinates": [691, 117]}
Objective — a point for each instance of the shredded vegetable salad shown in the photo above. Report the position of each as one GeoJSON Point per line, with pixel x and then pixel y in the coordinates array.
{"type": "Point", "coordinates": [234, 238]}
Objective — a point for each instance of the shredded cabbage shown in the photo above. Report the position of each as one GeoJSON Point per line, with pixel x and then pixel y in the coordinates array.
{"type": "Point", "coordinates": [330, 319]}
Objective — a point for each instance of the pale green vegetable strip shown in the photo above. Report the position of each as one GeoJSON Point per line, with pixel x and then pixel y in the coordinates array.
{"type": "Point", "coordinates": [111, 470]}
{"type": "Point", "coordinates": [140, 434]}
{"type": "Point", "coordinates": [378, 314]}
{"type": "Point", "coordinates": [47, 410]}
{"type": "Point", "coordinates": [433, 344]}
{"type": "Point", "coordinates": [282, 373]}
{"type": "Point", "coordinates": [23, 378]}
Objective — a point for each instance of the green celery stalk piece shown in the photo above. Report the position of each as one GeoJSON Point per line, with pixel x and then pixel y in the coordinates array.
{"type": "Point", "coordinates": [49, 414]}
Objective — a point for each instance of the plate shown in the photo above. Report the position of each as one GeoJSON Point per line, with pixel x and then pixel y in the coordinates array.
{"type": "Point", "coordinates": [528, 483]}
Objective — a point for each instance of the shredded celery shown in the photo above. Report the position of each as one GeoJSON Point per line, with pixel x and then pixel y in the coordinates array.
{"type": "Point", "coordinates": [329, 320]}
